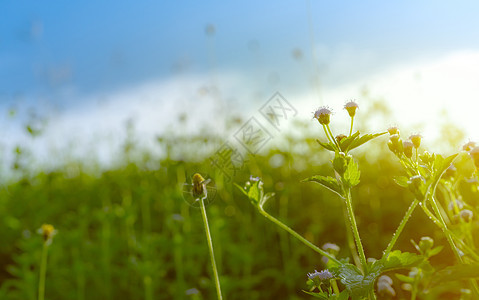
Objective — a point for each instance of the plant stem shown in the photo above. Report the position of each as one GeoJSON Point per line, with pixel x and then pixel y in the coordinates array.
{"type": "Point", "coordinates": [351, 129]}
{"type": "Point", "coordinates": [43, 272]}
{"type": "Point", "coordinates": [210, 246]}
{"type": "Point", "coordinates": [332, 136]}
{"type": "Point", "coordinates": [354, 227]}
{"type": "Point", "coordinates": [350, 238]}
{"type": "Point", "coordinates": [298, 236]}
{"type": "Point", "coordinates": [401, 226]}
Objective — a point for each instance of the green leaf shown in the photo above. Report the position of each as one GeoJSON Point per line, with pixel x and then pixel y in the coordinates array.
{"type": "Point", "coordinates": [346, 142]}
{"type": "Point", "coordinates": [326, 181]}
{"type": "Point", "coordinates": [397, 259]}
{"type": "Point", "coordinates": [401, 181]}
{"type": "Point", "coordinates": [322, 295]}
{"type": "Point", "coordinates": [434, 251]}
{"type": "Point", "coordinates": [364, 139]}
{"type": "Point", "coordinates": [457, 272]}
{"type": "Point", "coordinates": [441, 164]}
{"type": "Point", "coordinates": [242, 189]}
{"type": "Point", "coordinates": [352, 174]}
{"type": "Point", "coordinates": [344, 295]}
{"type": "Point", "coordinates": [327, 146]}
{"type": "Point", "coordinates": [357, 285]}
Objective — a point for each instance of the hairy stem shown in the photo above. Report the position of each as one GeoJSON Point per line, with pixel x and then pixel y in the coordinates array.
{"type": "Point", "coordinates": [354, 228]}
{"type": "Point", "coordinates": [210, 246]}
{"type": "Point", "coordinates": [401, 226]}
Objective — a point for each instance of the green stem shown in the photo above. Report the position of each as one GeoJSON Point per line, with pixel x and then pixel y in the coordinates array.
{"type": "Point", "coordinates": [351, 129]}
{"type": "Point", "coordinates": [210, 246]}
{"type": "Point", "coordinates": [332, 136]}
{"type": "Point", "coordinates": [350, 238]}
{"type": "Point", "coordinates": [401, 226]}
{"type": "Point", "coordinates": [354, 227]}
{"type": "Point", "coordinates": [298, 236]}
{"type": "Point", "coordinates": [43, 272]}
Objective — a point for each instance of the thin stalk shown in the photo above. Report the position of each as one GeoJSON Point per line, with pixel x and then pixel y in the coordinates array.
{"type": "Point", "coordinates": [298, 236]}
{"type": "Point", "coordinates": [354, 227]}
{"type": "Point", "coordinates": [210, 246]}
{"type": "Point", "coordinates": [43, 272]}
{"type": "Point", "coordinates": [401, 226]}
{"type": "Point", "coordinates": [332, 136]}
{"type": "Point", "coordinates": [351, 129]}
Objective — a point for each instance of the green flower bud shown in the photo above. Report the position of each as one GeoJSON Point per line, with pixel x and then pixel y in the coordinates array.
{"type": "Point", "coordinates": [407, 147]}
{"type": "Point", "coordinates": [416, 140]}
{"type": "Point", "coordinates": [425, 244]}
{"type": "Point", "coordinates": [393, 130]}
{"type": "Point", "coordinates": [351, 107]}
{"type": "Point", "coordinates": [323, 115]}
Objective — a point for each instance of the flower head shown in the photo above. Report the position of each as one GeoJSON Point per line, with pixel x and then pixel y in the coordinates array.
{"type": "Point", "coordinates": [48, 232]}
{"type": "Point", "coordinates": [351, 107]}
{"type": "Point", "coordinates": [323, 115]}
{"type": "Point", "coordinates": [407, 147]}
{"type": "Point", "coordinates": [416, 140]}
{"type": "Point", "coordinates": [393, 130]}
{"type": "Point", "coordinates": [468, 146]}
{"type": "Point", "coordinates": [322, 276]}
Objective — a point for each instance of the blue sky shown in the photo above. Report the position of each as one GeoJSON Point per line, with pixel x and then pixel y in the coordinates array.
{"type": "Point", "coordinates": [98, 45]}
{"type": "Point", "coordinates": [82, 63]}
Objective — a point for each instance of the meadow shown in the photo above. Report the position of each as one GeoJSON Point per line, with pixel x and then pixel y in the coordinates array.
{"type": "Point", "coordinates": [130, 232]}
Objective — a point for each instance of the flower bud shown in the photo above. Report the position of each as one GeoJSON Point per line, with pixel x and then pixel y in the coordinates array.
{"type": "Point", "coordinates": [468, 146]}
{"type": "Point", "coordinates": [395, 144]}
{"type": "Point", "coordinates": [407, 146]}
{"type": "Point", "coordinates": [416, 140]}
{"type": "Point", "coordinates": [47, 231]}
{"type": "Point", "coordinates": [425, 244]}
{"type": "Point", "coordinates": [331, 248]}
{"type": "Point", "coordinates": [323, 115]}
{"type": "Point", "coordinates": [474, 153]}
{"type": "Point", "coordinates": [351, 107]}
{"type": "Point", "coordinates": [393, 130]}
{"type": "Point", "coordinates": [340, 137]}
{"type": "Point", "coordinates": [466, 215]}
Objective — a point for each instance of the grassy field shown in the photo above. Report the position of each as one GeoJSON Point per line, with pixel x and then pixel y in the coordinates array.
{"type": "Point", "coordinates": [129, 232]}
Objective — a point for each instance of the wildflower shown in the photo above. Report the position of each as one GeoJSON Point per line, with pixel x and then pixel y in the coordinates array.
{"type": "Point", "coordinates": [466, 215]}
{"type": "Point", "coordinates": [468, 146]}
{"type": "Point", "coordinates": [395, 144]}
{"type": "Point", "coordinates": [323, 115]}
{"type": "Point", "coordinates": [407, 146]}
{"type": "Point", "coordinates": [351, 107]}
{"type": "Point", "coordinates": [426, 243]}
{"type": "Point", "coordinates": [48, 232]}
{"type": "Point", "coordinates": [251, 178]}
{"type": "Point", "coordinates": [416, 140]}
{"type": "Point", "coordinates": [331, 248]}
{"type": "Point", "coordinates": [474, 153]}
{"type": "Point", "coordinates": [393, 130]}
{"type": "Point", "coordinates": [322, 276]}
{"type": "Point", "coordinates": [459, 204]}
{"type": "Point", "coordinates": [384, 286]}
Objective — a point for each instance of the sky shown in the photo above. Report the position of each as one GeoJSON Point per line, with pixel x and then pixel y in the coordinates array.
{"type": "Point", "coordinates": [78, 71]}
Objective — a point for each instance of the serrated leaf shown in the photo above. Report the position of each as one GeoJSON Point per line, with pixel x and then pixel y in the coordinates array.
{"type": "Point", "coordinates": [352, 174]}
{"type": "Point", "coordinates": [346, 142]}
{"type": "Point", "coordinates": [357, 285]}
{"type": "Point", "coordinates": [401, 181]}
{"type": "Point", "coordinates": [326, 181]}
{"type": "Point", "coordinates": [457, 272]}
{"type": "Point", "coordinates": [327, 146]}
{"type": "Point", "coordinates": [364, 139]}
{"type": "Point", "coordinates": [397, 259]}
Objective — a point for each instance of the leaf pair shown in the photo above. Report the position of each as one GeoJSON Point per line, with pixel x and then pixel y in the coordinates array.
{"type": "Point", "coordinates": [349, 143]}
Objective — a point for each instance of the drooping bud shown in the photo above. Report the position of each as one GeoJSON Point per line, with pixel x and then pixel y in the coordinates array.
{"type": "Point", "coordinates": [323, 115]}
{"type": "Point", "coordinates": [351, 107]}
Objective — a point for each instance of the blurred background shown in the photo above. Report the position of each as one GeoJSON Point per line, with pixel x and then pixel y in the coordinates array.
{"type": "Point", "coordinates": [108, 108]}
